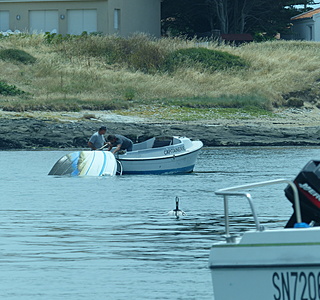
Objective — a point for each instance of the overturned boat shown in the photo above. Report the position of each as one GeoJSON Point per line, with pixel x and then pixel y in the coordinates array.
{"type": "Point", "coordinates": [154, 156]}
{"type": "Point", "coordinates": [277, 264]}
{"type": "Point", "coordinates": [86, 163]}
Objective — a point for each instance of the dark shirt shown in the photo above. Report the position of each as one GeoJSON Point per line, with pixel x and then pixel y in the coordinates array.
{"type": "Point", "coordinates": [126, 144]}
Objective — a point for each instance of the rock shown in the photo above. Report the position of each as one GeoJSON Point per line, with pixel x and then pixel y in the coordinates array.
{"type": "Point", "coordinates": [38, 134]}
{"type": "Point", "coordinates": [6, 143]}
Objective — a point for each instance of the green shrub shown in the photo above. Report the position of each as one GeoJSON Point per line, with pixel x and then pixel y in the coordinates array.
{"type": "Point", "coordinates": [145, 57]}
{"type": "Point", "coordinates": [9, 90]}
{"type": "Point", "coordinates": [294, 102]}
{"type": "Point", "coordinates": [138, 53]}
{"type": "Point", "coordinates": [52, 38]}
{"type": "Point", "coordinates": [203, 58]}
{"type": "Point", "coordinates": [17, 55]}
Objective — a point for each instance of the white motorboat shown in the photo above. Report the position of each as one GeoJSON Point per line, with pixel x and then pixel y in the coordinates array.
{"type": "Point", "coordinates": [169, 156]}
{"type": "Point", "coordinates": [279, 264]}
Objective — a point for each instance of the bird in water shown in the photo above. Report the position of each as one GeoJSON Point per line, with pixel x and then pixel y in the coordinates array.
{"type": "Point", "coordinates": [177, 212]}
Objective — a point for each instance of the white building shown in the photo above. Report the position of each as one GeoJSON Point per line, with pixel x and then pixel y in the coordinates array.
{"type": "Point", "coordinates": [306, 26]}
{"type": "Point", "coordinates": [122, 17]}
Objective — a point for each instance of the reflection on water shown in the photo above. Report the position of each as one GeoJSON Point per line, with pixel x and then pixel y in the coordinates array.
{"type": "Point", "coordinates": [111, 238]}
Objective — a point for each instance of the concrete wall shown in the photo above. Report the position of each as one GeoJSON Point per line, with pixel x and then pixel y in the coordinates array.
{"type": "Point", "coordinates": [140, 15]}
{"type": "Point", "coordinates": [316, 30]}
{"type": "Point", "coordinates": [134, 15]}
{"type": "Point", "coordinates": [303, 29]}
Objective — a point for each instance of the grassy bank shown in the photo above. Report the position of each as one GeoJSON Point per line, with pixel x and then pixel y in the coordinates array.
{"type": "Point", "coordinates": [102, 73]}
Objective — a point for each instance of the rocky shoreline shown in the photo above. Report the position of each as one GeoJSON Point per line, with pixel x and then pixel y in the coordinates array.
{"type": "Point", "coordinates": [36, 133]}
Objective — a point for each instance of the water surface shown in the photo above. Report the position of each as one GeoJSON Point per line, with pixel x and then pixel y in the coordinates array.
{"type": "Point", "coordinates": [111, 238]}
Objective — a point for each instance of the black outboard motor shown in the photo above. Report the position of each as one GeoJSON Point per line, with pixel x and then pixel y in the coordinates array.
{"type": "Point", "coordinates": [308, 184]}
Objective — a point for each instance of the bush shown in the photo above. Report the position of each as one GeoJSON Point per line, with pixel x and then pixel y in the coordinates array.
{"type": "Point", "coordinates": [139, 53]}
{"type": "Point", "coordinates": [204, 58]}
{"type": "Point", "coordinates": [294, 102]}
{"type": "Point", "coordinates": [52, 38]}
{"type": "Point", "coordinates": [17, 55]}
{"type": "Point", "coordinates": [9, 90]}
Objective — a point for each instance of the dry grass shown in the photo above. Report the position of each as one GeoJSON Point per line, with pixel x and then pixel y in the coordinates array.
{"type": "Point", "coordinates": [68, 72]}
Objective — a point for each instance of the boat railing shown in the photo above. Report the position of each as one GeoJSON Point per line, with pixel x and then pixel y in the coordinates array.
{"type": "Point", "coordinates": [119, 167]}
{"type": "Point", "coordinates": [234, 191]}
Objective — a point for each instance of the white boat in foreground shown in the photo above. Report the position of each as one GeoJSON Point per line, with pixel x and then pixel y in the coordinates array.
{"type": "Point", "coordinates": [278, 264]}
{"type": "Point", "coordinates": [169, 156]}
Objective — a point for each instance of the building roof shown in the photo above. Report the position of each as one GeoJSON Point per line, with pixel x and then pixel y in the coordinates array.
{"type": "Point", "coordinates": [237, 37]}
{"type": "Point", "coordinates": [307, 15]}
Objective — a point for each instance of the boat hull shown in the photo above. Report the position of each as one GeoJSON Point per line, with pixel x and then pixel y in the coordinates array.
{"type": "Point", "coordinates": [85, 163]}
{"type": "Point", "coordinates": [268, 283]}
{"type": "Point", "coordinates": [173, 164]}
{"type": "Point", "coordinates": [177, 157]}
{"type": "Point", "coordinates": [283, 264]}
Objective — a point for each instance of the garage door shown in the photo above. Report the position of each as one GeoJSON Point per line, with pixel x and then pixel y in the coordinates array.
{"type": "Point", "coordinates": [4, 20]}
{"type": "Point", "coordinates": [80, 20]}
{"type": "Point", "coordinates": [43, 21]}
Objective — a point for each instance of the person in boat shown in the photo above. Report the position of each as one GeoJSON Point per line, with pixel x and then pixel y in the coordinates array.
{"type": "Point", "coordinates": [120, 142]}
{"type": "Point", "coordinates": [97, 140]}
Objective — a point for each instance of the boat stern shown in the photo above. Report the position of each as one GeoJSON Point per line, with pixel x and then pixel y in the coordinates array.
{"type": "Point", "coordinates": [274, 264]}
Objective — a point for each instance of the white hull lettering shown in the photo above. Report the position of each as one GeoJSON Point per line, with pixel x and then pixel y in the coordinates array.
{"type": "Point", "coordinates": [296, 285]}
{"type": "Point", "coordinates": [174, 150]}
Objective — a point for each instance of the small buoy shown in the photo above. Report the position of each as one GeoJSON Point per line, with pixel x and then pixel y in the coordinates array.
{"type": "Point", "coordinates": [176, 212]}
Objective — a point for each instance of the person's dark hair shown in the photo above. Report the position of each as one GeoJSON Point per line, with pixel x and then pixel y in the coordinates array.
{"type": "Point", "coordinates": [102, 128]}
{"type": "Point", "coordinates": [111, 137]}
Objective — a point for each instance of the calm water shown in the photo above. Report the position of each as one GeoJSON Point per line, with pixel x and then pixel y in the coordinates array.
{"type": "Point", "coordinates": [111, 238]}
